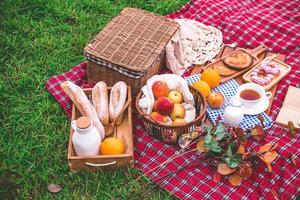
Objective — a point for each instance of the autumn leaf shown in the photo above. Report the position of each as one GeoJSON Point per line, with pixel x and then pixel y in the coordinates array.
{"type": "Point", "coordinates": [223, 169]}
{"type": "Point", "coordinates": [201, 146]}
{"type": "Point", "coordinates": [276, 196]}
{"type": "Point", "coordinates": [270, 156]}
{"type": "Point", "coordinates": [241, 149]}
{"type": "Point", "coordinates": [258, 132]}
{"type": "Point", "coordinates": [235, 179]}
{"type": "Point", "coordinates": [239, 132]}
{"type": "Point", "coordinates": [54, 188]}
{"type": "Point", "coordinates": [274, 147]}
{"type": "Point", "coordinates": [261, 120]}
{"type": "Point", "coordinates": [265, 148]}
{"type": "Point", "coordinates": [293, 160]}
{"type": "Point", "coordinates": [217, 177]}
{"type": "Point", "coordinates": [291, 128]}
{"type": "Point", "coordinates": [244, 170]}
{"type": "Point", "coordinates": [269, 167]}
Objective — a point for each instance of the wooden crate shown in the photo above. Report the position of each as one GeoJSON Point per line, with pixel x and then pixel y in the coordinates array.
{"type": "Point", "coordinates": [122, 132]}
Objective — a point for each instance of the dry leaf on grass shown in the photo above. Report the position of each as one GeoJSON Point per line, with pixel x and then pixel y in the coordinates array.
{"type": "Point", "coordinates": [54, 188]}
{"type": "Point", "coordinates": [235, 179]}
{"type": "Point", "coordinates": [223, 169]}
{"type": "Point", "coordinates": [201, 146]}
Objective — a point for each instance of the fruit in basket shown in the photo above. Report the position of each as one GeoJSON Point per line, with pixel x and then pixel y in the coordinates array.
{"type": "Point", "coordinates": [216, 100]}
{"type": "Point", "coordinates": [111, 146]}
{"type": "Point", "coordinates": [179, 121]}
{"type": "Point", "coordinates": [211, 76]}
{"type": "Point", "coordinates": [175, 96]}
{"type": "Point", "coordinates": [158, 117]}
{"type": "Point", "coordinates": [178, 111]}
{"type": "Point", "coordinates": [163, 105]}
{"type": "Point", "coordinates": [160, 89]}
{"type": "Point", "coordinates": [202, 87]}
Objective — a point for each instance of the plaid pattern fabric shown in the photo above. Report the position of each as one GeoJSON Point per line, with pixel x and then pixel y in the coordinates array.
{"type": "Point", "coordinates": [228, 89]}
{"type": "Point", "coordinates": [248, 23]}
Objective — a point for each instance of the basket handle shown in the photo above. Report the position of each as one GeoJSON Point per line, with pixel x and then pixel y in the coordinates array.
{"type": "Point", "coordinates": [101, 164]}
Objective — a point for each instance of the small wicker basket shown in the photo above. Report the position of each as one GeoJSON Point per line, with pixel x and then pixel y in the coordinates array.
{"type": "Point", "coordinates": [130, 48]}
{"type": "Point", "coordinates": [171, 133]}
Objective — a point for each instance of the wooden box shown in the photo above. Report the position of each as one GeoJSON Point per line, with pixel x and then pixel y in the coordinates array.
{"type": "Point", "coordinates": [122, 132]}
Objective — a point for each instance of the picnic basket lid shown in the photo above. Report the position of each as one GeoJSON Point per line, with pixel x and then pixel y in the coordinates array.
{"type": "Point", "coordinates": [132, 41]}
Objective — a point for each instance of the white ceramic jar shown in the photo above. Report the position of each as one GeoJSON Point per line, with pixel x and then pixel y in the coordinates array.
{"type": "Point", "coordinates": [233, 113]}
{"type": "Point", "coordinates": [86, 138]}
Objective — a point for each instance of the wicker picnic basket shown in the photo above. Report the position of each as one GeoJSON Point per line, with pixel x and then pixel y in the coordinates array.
{"type": "Point", "coordinates": [130, 48]}
{"type": "Point", "coordinates": [171, 133]}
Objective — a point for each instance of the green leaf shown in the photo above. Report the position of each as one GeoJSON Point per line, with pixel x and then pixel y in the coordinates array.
{"type": "Point", "coordinates": [220, 131]}
{"type": "Point", "coordinates": [229, 152]}
{"type": "Point", "coordinates": [234, 161]}
{"type": "Point", "coordinates": [208, 138]}
{"type": "Point", "coordinates": [214, 146]}
{"type": "Point", "coordinates": [232, 147]}
{"type": "Point", "coordinates": [207, 128]}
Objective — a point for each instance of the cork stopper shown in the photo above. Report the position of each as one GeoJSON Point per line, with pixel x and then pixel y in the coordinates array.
{"type": "Point", "coordinates": [83, 122]}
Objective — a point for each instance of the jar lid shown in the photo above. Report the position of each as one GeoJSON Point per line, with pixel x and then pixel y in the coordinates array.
{"type": "Point", "coordinates": [83, 122]}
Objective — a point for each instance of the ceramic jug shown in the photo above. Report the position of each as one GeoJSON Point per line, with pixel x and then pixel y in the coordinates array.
{"type": "Point", "coordinates": [86, 138]}
{"type": "Point", "coordinates": [233, 113]}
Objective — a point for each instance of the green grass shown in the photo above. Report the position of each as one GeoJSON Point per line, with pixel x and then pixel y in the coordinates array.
{"type": "Point", "coordinates": [39, 39]}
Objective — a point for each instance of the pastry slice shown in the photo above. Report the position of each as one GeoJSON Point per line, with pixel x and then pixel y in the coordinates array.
{"type": "Point", "coordinates": [239, 60]}
{"type": "Point", "coordinates": [222, 69]}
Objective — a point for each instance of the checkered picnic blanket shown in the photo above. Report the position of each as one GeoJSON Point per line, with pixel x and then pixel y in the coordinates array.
{"type": "Point", "coordinates": [229, 89]}
{"type": "Point", "coordinates": [248, 23]}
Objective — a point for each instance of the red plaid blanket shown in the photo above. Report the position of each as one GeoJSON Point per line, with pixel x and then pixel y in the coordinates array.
{"type": "Point", "coordinates": [248, 23]}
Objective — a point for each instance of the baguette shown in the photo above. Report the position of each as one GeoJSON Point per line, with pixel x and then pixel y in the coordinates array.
{"type": "Point", "coordinates": [118, 96]}
{"type": "Point", "coordinates": [83, 104]}
{"type": "Point", "coordinates": [100, 101]}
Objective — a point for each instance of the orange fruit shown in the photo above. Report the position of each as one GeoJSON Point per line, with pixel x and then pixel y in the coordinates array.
{"type": "Point", "coordinates": [212, 77]}
{"type": "Point", "coordinates": [202, 87]}
{"type": "Point", "coordinates": [112, 146]}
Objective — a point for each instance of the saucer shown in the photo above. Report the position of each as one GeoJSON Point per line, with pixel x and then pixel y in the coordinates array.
{"type": "Point", "coordinates": [261, 106]}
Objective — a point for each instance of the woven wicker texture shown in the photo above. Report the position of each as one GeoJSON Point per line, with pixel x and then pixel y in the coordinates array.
{"type": "Point", "coordinates": [133, 40]}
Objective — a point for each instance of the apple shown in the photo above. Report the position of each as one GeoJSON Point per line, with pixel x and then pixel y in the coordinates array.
{"type": "Point", "coordinates": [163, 105]}
{"type": "Point", "coordinates": [175, 96]}
{"type": "Point", "coordinates": [158, 117]}
{"type": "Point", "coordinates": [178, 111]}
{"type": "Point", "coordinates": [160, 89]}
{"type": "Point", "coordinates": [179, 121]}
{"type": "Point", "coordinates": [216, 100]}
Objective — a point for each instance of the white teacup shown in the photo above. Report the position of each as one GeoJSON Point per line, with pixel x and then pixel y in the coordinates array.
{"type": "Point", "coordinates": [252, 87]}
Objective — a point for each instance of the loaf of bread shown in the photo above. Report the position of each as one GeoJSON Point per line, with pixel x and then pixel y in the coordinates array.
{"type": "Point", "coordinates": [100, 101]}
{"type": "Point", "coordinates": [83, 104]}
{"type": "Point", "coordinates": [118, 96]}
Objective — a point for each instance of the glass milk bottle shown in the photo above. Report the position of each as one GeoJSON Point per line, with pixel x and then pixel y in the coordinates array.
{"type": "Point", "coordinates": [233, 114]}
{"type": "Point", "coordinates": [86, 138]}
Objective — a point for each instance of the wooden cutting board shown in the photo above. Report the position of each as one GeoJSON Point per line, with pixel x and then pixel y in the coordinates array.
{"type": "Point", "coordinates": [226, 50]}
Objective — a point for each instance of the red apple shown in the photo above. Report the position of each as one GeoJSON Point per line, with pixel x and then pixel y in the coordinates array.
{"type": "Point", "coordinates": [160, 89]}
{"type": "Point", "coordinates": [216, 100]}
{"type": "Point", "coordinates": [158, 117]}
{"type": "Point", "coordinates": [163, 105]}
